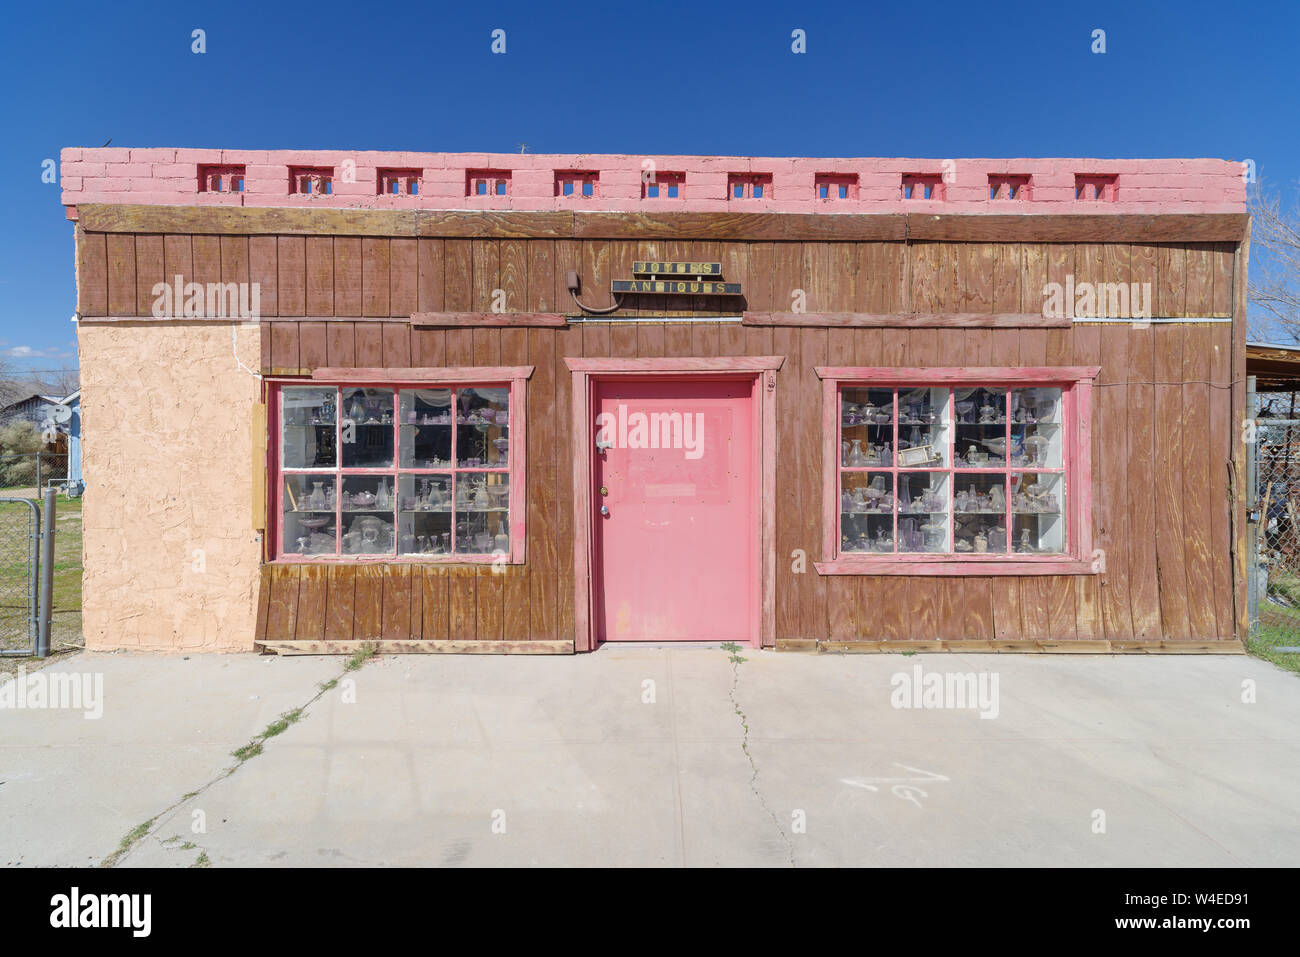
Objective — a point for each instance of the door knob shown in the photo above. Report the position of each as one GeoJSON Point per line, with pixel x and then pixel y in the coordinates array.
{"type": "Point", "coordinates": [604, 510]}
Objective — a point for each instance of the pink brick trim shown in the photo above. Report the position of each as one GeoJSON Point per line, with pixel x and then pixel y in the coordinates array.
{"type": "Point", "coordinates": [169, 176]}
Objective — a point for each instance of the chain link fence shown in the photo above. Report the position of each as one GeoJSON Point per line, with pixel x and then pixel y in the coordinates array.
{"type": "Point", "coordinates": [20, 528]}
{"type": "Point", "coordinates": [25, 474]}
{"type": "Point", "coordinates": [1274, 586]}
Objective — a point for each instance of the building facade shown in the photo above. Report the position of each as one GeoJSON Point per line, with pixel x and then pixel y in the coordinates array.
{"type": "Point", "coordinates": [484, 403]}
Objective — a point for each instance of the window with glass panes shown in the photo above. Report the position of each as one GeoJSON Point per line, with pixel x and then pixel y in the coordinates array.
{"type": "Point", "coordinates": [425, 472]}
{"type": "Point", "coordinates": [960, 469]}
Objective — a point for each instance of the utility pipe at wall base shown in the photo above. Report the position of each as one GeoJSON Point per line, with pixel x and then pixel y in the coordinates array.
{"type": "Point", "coordinates": [47, 574]}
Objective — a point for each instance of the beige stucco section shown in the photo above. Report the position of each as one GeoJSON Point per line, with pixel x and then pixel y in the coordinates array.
{"type": "Point", "coordinates": [171, 558]}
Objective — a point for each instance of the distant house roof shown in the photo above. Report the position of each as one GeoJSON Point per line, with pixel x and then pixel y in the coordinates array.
{"type": "Point", "coordinates": [1275, 366]}
{"type": "Point", "coordinates": [28, 398]}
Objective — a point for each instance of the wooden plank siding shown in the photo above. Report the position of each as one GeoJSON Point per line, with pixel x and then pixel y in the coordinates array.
{"type": "Point", "coordinates": [1162, 424]}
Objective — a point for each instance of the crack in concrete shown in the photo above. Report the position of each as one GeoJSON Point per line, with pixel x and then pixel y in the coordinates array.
{"type": "Point", "coordinates": [201, 861]}
{"type": "Point", "coordinates": [141, 831]}
{"type": "Point", "coordinates": [736, 660]}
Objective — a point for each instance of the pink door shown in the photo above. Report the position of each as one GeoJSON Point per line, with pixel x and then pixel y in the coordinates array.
{"type": "Point", "coordinates": [676, 538]}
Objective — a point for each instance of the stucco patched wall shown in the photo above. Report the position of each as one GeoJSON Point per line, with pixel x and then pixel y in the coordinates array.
{"type": "Point", "coordinates": [171, 559]}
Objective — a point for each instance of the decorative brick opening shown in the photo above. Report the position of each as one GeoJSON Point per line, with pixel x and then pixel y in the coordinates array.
{"type": "Point", "coordinates": [664, 186]}
{"type": "Point", "coordinates": [836, 185]}
{"type": "Point", "coordinates": [1008, 186]}
{"type": "Point", "coordinates": [487, 182]}
{"type": "Point", "coordinates": [1096, 187]}
{"type": "Point", "coordinates": [923, 186]}
{"type": "Point", "coordinates": [749, 186]}
{"type": "Point", "coordinates": [221, 179]}
{"type": "Point", "coordinates": [311, 180]}
{"type": "Point", "coordinates": [576, 182]}
{"type": "Point", "coordinates": [398, 182]}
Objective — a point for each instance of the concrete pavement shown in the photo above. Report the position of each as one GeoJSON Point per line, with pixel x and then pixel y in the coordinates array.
{"type": "Point", "coordinates": [637, 755]}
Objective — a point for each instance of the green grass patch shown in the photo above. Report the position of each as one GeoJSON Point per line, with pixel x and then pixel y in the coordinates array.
{"type": "Point", "coordinates": [277, 727]}
{"type": "Point", "coordinates": [250, 750]}
{"type": "Point", "coordinates": [282, 723]}
{"type": "Point", "coordinates": [733, 652]}
{"type": "Point", "coordinates": [1278, 626]}
{"type": "Point", "coordinates": [132, 838]}
{"type": "Point", "coordinates": [363, 654]}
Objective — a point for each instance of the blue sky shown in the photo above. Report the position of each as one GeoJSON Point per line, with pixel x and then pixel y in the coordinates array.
{"type": "Point", "coordinates": [939, 79]}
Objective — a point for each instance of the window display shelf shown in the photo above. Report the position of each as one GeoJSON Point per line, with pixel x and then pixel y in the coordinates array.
{"type": "Point", "coordinates": [987, 451]}
{"type": "Point", "coordinates": [391, 470]}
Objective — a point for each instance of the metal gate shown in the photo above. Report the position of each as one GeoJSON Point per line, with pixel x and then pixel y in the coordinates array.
{"type": "Point", "coordinates": [20, 538]}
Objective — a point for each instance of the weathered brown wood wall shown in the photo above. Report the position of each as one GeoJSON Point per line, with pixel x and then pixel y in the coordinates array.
{"type": "Point", "coordinates": [1162, 433]}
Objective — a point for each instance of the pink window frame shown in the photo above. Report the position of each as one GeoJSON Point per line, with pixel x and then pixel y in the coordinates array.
{"type": "Point", "coordinates": [1075, 383]}
{"type": "Point", "coordinates": [664, 179]}
{"type": "Point", "coordinates": [514, 378]}
{"type": "Point", "coordinates": [404, 177]}
{"type": "Point", "coordinates": [220, 178]}
{"type": "Point", "coordinates": [747, 182]}
{"type": "Point", "coordinates": [834, 182]}
{"type": "Point", "coordinates": [918, 182]}
{"type": "Point", "coordinates": [301, 176]}
{"type": "Point", "coordinates": [491, 179]}
{"type": "Point", "coordinates": [579, 178]}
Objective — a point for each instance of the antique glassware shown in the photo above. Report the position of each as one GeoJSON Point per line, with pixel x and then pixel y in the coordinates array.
{"type": "Point", "coordinates": [317, 500]}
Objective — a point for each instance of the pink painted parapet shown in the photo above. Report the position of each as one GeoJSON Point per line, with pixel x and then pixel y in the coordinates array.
{"type": "Point", "coordinates": [535, 182]}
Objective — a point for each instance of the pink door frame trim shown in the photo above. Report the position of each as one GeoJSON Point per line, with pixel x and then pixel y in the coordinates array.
{"type": "Point", "coordinates": [762, 371]}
